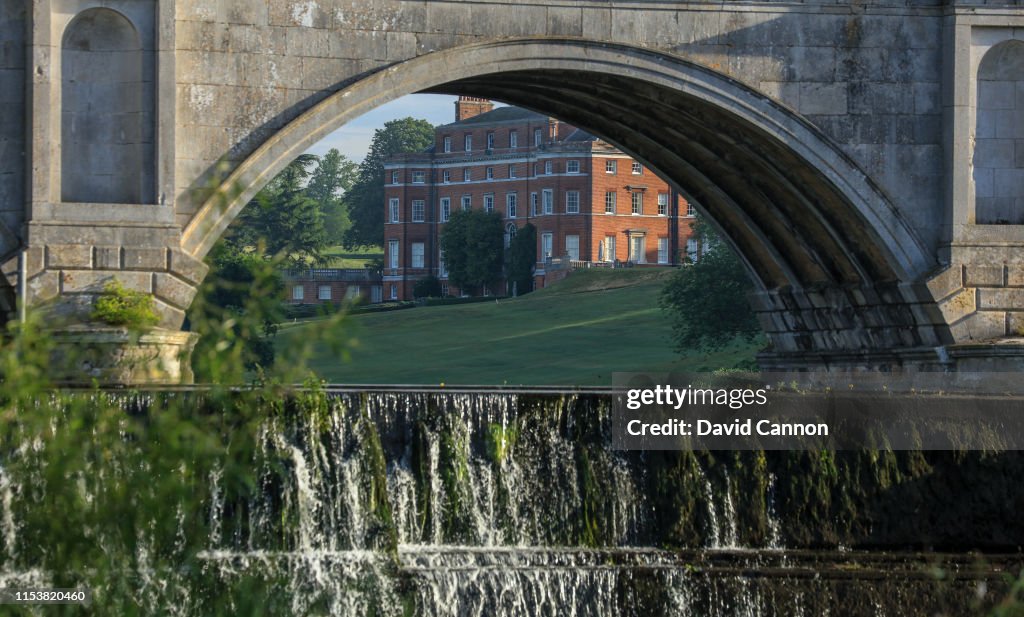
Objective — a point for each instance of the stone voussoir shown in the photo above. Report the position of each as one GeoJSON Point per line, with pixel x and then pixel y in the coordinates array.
{"type": "Point", "coordinates": [173, 290]}
{"type": "Point", "coordinates": [187, 267]}
{"type": "Point", "coordinates": [946, 283]}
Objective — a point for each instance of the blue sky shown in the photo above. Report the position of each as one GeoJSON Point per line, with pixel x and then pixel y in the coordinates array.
{"type": "Point", "coordinates": [353, 139]}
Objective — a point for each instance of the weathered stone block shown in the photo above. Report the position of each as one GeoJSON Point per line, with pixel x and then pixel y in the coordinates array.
{"type": "Point", "coordinates": [1007, 299]}
{"type": "Point", "coordinates": [1015, 323]}
{"type": "Point", "coordinates": [983, 182]}
{"type": "Point", "coordinates": [959, 305]}
{"type": "Point", "coordinates": [253, 12]}
{"type": "Point", "coordinates": [400, 46]}
{"type": "Point", "coordinates": [151, 259]}
{"type": "Point", "coordinates": [305, 13]}
{"type": "Point", "coordinates": [1015, 275]}
{"type": "Point", "coordinates": [564, 21]}
{"type": "Point", "coordinates": [107, 258]}
{"type": "Point", "coordinates": [823, 99]}
{"type": "Point", "coordinates": [187, 267]}
{"type": "Point", "coordinates": [173, 290]}
{"type": "Point", "coordinates": [981, 326]}
{"type": "Point", "coordinates": [305, 42]}
{"type": "Point", "coordinates": [995, 153]}
{"type": "Point", "coordinates": [69, 256]}
{"type": "Point", "coordinates": [43, 287]}
{"type": "Point", "coordinates": [446, 17]}
{"type": "Point", "coordinates": [983, 276]}
{"type": "Point", "coordinates": [170, 317]}
{"type": "Point", "coordinates": [357, 44]}
{"type": "Point", "coordinates": [946, 282]}
{"type": "Point", "coordinates": [93, 281]}
{"type": "Point", "coordinates": [597, 23]}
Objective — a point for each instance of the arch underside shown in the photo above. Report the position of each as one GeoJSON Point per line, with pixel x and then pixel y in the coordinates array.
{"type": "Point", "coordinates": [839, 271]}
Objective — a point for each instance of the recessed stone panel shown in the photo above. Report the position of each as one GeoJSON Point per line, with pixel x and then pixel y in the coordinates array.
{"type": "Point", "coordinates": [108, 258]}
{"type": "Point", "coordinates": [151, 259]}
{"type": "Point", "coordinates": [69, 256]}
{"type": "Point", "coordinates": [93, 281]}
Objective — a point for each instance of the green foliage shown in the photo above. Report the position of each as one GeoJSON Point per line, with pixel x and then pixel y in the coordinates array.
{"type": "Point", "coordinates": [472, 242]}
{"type": "Point", "coordinates": [427, 287]}
{"type": "Point", "coordinates": [707, 301]}
{"type": "Point", "coordinates": [283, 221]}
{"type": "Point", "coordinates": [365, 200]}
{"type": "Point", "coordinates": [522, 258]}
{"type": "Point", "coordinates": [237, 312]}
{"type": "Point", "coordinates": [501, 439]}
{"type": "Point", "coordinates": [119, 306]}
{"type": "Point", "coordinates": [287, 225]}
{"type": "Point", "coordinates": [330, 180]}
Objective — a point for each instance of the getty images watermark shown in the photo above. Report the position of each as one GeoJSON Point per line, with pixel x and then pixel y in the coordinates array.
{"type": "Point", "coordinates": [776, 411]}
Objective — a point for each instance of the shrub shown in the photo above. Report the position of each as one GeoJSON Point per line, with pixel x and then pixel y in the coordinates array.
{"type": "Point", "coordinates": [119, 306]}
{"type": "Point", "coordinates": [707, 301]}
{"type": "Point", "coordinates": [427, 287]}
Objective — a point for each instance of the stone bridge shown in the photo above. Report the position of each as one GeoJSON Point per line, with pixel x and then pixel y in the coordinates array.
{"type": "Point", "coordinates": [866, 160]}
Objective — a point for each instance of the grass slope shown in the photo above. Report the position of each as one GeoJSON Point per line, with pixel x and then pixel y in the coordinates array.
{"type": "Point", "coordinates": [340, 257]}
{"type": "Point", "coordinates": [574, 333]}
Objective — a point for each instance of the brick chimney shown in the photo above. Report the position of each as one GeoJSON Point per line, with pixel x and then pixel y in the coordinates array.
{"type": "Point", "coordinates": [469, 106]}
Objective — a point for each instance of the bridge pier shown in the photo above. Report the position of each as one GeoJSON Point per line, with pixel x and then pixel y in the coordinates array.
{"type": "Point", "coordinates": [64, 270]}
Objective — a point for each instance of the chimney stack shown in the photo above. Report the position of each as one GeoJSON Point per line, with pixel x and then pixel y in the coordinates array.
{"type": "Point", "coordinates": [469, 106]}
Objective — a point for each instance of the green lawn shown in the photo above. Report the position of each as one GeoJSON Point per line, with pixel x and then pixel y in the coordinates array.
{"type": "Point", "coordinates": [341, 257]}
{"type": "Point", "coordinates": [574, 333]}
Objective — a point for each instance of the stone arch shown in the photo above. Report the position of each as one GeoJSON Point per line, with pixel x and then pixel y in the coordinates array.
{"type": "Point", "coordinates": [999, 136]}
{"type": "Point", "coordinates": [837, 264]}
{"type": "Point", "coordinates": [107, 148]}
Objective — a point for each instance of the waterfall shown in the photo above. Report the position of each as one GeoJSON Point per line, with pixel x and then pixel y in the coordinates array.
{"type": "Point", "coordinates": [774, 525]}
{"type": "Point", "coordinates": [730, 537]}
{"type": "Point", "coordinates": [714, 536]}
{"type": "Point", "coordinates": [473, 504]}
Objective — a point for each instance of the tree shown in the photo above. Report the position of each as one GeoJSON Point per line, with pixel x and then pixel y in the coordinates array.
{"type": "Point", "coordinates": [707, 300]}
{"type": "Point", "coordinates": [240, 300]}
{"type": "Point", "coordinates": [522, 257]}
{"type": "Point", "coordinates": [365, 200]}
{"type": "Point", "coordinates": [472, 243]}
{"type": "Point", "coordinates": [333, 176]}
{"type": "Point", "coordinates": [283, 219]}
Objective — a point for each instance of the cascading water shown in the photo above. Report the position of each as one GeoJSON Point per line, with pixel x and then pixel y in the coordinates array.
{"type": "Point", "coordinates": [465, 504]}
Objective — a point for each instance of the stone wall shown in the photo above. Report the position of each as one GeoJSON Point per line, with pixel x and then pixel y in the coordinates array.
{"type": "Point", "coordinates": [869, 81]}
{"type": "Point", "coordinates": [12, 122]}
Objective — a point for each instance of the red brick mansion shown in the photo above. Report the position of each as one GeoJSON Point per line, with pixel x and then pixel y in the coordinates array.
{"type": "Point", "coordinates": [592, 205]}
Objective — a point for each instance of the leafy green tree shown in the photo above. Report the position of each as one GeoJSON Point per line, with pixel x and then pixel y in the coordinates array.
{"type": "Point", "coordinates": [365, 200]}
{"type": "Point", "coordinates": [522, 258]}
{"type": "Point", "coordinates": [283, 219]}
{"type": "Point", "coordinates": [707, 300]}
{"type": "Point", "coordinates": [241, 296]}
{"type": "Point", "coordinates": [329, 181]}
{"type": "Point", "coordinates": [240, 300]}
{"type": "Point", "coordinates": [472, 242]}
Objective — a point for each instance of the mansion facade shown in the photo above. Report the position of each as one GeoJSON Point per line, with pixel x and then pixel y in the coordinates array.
{"type": "Point", "coordinates": [591, 204]}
